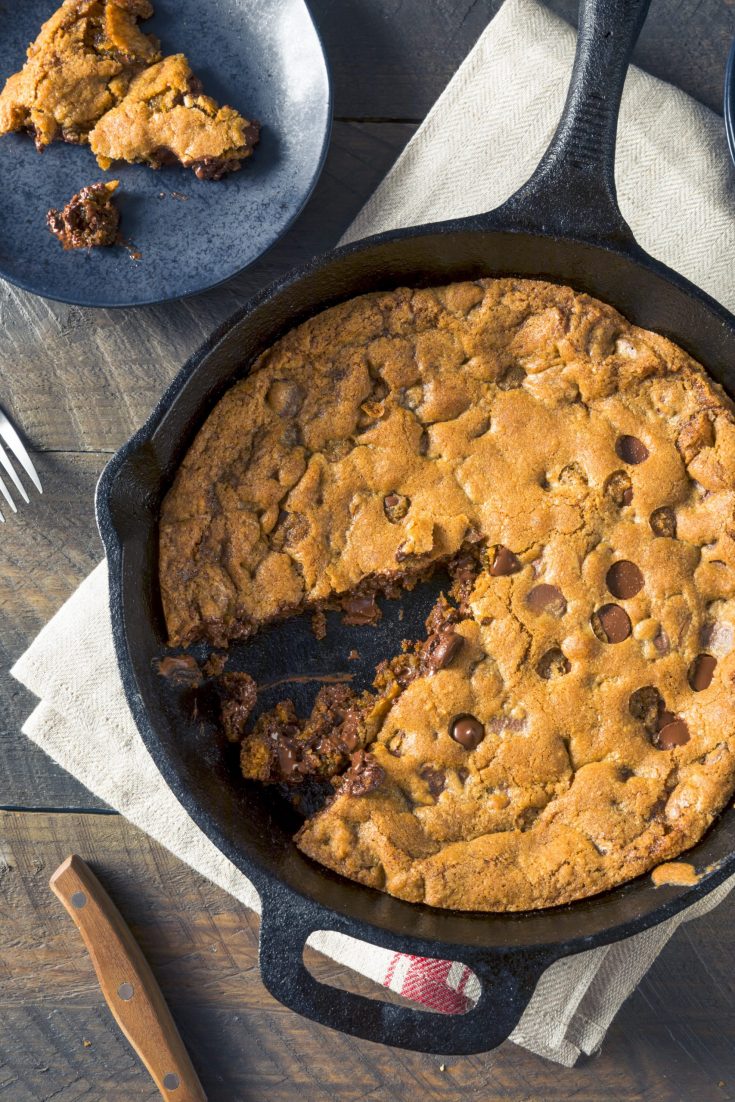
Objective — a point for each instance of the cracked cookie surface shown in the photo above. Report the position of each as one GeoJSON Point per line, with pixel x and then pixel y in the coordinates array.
{"type": "Point", "coordinates": [583, 730]}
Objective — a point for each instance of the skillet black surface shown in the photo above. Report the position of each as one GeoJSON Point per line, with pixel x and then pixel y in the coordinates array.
{"type": "Point", "coordinates": [563, 225]}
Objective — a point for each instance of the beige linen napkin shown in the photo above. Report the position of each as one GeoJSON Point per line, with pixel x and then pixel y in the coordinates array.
{"type": "Point", "coordinates": [480, 141]}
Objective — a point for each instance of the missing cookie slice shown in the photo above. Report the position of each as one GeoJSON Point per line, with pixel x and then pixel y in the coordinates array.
{"type": "Point", "coordinates": [80, 65]}
{"type": "Point", "coordinates": [284, 749]}
{"type": "Point", "coordinates": [519, 757]}
{"type": "Point", "coordinates": [166, 119]}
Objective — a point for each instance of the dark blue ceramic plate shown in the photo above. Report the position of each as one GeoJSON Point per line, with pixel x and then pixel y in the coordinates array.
{"type": "Point", "coordinates": [730, 101]}
{"type": "Point", "coordinates": [263, 57]}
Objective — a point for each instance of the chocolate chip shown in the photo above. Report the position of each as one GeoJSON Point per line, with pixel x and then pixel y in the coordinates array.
{"type": "Point", "coordinates": [440, 649]}
{"type": "Point", "coordinates": [663, 522]}
{"type": "Point", "coordinates": [395, 507]}
{"type": "Point", "coordinates": [480, 428]}
{"type": "Point", "coordinates": [363, 776]}
{"type": "Point", "coordinates": [504, 562]}
{"type": "Point", "coordinates": [630, 449]}
{"type": "Point", "coordinates": [673, 734]}
{"type": "Point", "coordinates": [624, 580]}
{"type": "Point", "coordinates": [661, 642]}
{"type": "Point", "coordinates": [701, 672]}
{"type": "Point", "coordinates": [424, 442]}
{"type": "Point", "coordinates": [546, 598]}
{"type": "Point", "coordinates": [553, 664]}
{"type": "Point", "coordinates": [288, 760]}
{"type": "Point", "coordinates": [572, 475]}
{"type": "Point", "coordinates": [619, 488]}
{"type": "Point", "coordinates": [467, 731]}
{"type": "Point", "coordinates": [528, 817]}
{"type": "Point", "coordinates": [360, 609]}
{"type": "Point", "coordinates": [512, 378]}
{"type": "Point", "coordinates": [285, 397]}
{"type": "Point", "coordinates": [646, 704]}
{"type": "Point", "coordinates": [611, 624]}
{"type": "Point", "coordinates": [664, 718]}
{"type": "Point", "coordinates": [435, 779]}
{"type": "Point", "coordinates": [717, 637]}
{"type": "Point", "coordinates": [405, 668]}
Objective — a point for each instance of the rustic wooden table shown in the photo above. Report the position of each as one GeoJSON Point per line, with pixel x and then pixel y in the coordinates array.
{"type": "Point", "coordinates": [79, 382]}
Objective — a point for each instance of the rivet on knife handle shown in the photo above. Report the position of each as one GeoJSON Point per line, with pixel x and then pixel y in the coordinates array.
{"type": "Point", "coordinates": [127, 982]}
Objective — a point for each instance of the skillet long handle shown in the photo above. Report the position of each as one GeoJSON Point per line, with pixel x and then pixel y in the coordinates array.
{"type": "Point", "coordinates": [127, 982]}
{"type": "Point", "coordinates": [572, 192]}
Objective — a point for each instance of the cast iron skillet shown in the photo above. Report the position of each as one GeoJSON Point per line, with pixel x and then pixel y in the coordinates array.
{"type": "Point", "coordinates": [564, 225]}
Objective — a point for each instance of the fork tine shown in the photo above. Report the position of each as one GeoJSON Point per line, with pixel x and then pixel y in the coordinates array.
{"type": "Point", "coordinates": [14, 442]}
{"type": "Point", "coordinates": [10, 469]}
{"type": "Point", "coordinates": [6, 495]}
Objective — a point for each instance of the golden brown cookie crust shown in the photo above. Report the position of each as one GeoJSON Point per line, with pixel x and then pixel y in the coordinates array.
{"type": "Point", "coordinates": [594, 462]}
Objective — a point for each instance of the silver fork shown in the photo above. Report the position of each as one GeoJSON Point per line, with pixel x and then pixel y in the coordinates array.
{"type": "Point", "coordinates": [16, 446]}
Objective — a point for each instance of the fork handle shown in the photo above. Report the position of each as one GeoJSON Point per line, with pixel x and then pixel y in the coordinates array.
{"type": "Point", "coordinates": [129, 986]}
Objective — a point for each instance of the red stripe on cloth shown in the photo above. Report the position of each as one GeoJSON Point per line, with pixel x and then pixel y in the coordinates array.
{"type": "Point", "coordinates": [425, 982]}
{"type": "Point", "coordinates": [391, 969]}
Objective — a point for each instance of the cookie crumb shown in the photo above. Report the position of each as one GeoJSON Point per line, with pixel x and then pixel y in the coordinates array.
{"type": "Point", "coordinates": [215, 664]}
{"type": "Point", "coordinates": [319, 624]}
{"type": "Point", "coordinates": [89, 220]}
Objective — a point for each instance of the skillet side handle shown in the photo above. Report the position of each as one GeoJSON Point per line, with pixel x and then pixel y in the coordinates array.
{"type": "Point", "coordinates": [508, 980]}
{"type": "Point", "coordinates": [572, 192]}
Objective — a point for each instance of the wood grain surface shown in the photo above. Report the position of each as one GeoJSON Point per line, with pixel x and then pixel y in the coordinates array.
{"type": "Point", "coordinates": [78, 382]}
{"type": "Point", "coordinates": [672, 1039]}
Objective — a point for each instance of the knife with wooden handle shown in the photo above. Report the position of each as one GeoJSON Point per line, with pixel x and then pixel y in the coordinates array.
{"type": "Point", "coordinates": [127, 982]}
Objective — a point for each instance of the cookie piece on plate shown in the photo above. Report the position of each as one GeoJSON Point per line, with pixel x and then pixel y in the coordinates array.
{"type": "Point", "coordinates": [79, 66]}
{"type": "Point", "coordinates": [166, 119]}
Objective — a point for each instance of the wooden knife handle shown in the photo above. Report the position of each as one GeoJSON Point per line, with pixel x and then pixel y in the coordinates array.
{"type": "Point", "coordinates": [127, 982]}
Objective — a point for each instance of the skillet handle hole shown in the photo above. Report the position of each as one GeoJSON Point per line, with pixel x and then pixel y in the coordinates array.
{"type": "Point", "coordinates": [421, 983]}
